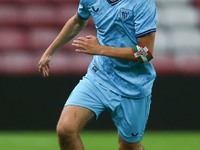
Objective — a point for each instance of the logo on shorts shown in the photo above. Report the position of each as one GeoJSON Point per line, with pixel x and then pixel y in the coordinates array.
{"type": "Point", "coordinates": [135, 134]}
{"type": "Point", "coordinates": [125, 13]}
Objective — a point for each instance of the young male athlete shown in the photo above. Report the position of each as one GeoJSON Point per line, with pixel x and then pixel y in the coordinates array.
{"type": "Point", "coordinates": [120, 76]}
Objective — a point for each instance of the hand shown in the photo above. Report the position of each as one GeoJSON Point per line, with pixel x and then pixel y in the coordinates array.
{"type": "Point", "coordinates": [87, 45]}
{"type": "Point", "coordinates": [44, 65]}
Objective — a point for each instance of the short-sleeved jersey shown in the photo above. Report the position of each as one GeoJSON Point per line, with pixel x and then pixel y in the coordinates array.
{"type": "Point", "coordinates": [119, 24]}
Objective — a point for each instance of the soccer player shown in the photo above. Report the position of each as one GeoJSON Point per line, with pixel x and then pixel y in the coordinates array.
{"type": "Point", "coordinates": [120, 76]}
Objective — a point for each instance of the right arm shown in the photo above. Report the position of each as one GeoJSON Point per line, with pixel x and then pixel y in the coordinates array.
{"type": "Point", "coordinates": [74, 25]}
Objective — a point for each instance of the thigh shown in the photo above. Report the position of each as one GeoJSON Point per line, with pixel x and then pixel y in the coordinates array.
{"type": "Point", "coordinates": [88, 95]}
{"type": "Point", "coordinates": [83, 103]}
{"type": "Point", "coordinates": [75, 117]}
{"type": "Point", "coordinates": [130, 118]}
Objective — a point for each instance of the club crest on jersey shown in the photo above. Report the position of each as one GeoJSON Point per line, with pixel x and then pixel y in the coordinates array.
{"type": "Point", "coordinates": [125, 13]}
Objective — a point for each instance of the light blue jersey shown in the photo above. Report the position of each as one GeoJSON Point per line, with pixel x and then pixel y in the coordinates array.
{"type": "Point", "coordinates": [119, 24]}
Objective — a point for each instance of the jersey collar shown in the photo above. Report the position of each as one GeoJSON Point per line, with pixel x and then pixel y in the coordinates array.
{"type": "Point", "coordinates": [113, 3]}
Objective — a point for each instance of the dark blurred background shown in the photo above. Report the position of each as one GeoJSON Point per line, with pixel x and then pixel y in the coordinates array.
{"type": "Point", "coordinates": [30, 102]}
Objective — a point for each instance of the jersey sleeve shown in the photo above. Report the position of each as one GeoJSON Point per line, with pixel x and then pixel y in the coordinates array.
{"type": "Point", "coordinates": [145, 18]}
{"type": "Point", "coordinates": [83, 12]}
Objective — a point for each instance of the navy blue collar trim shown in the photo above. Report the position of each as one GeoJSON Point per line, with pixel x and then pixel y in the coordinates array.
{"type": "Point", "coordinates": [113, 3]}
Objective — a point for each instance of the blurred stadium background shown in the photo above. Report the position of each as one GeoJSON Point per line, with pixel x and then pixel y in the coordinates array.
{"type": "Point", "coordinates": [30, 102]}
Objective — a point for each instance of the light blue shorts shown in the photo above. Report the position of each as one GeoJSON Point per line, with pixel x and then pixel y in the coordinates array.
{"type": "Point", "coordinates": [129, 115]}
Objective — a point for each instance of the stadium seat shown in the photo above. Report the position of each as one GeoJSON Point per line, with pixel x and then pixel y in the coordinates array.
{"type": "Point", "coordinates": [73, 63]}
{"type": "Point", "coordinates": [170, 2]}
{"type": "Point", "coordinates": [22, 2]}
{"type": "Point", "coordinates": [63, 13]}
{"type": "Point", "coordinates": [36, 15]}
{"type": "Point", "coordinates": [164, 64]}
{"type": "Point", "coordinates": [188, 63]}
{"type": "Point", "coordinates": [6, 1]}
{"type": "Point", "coordinates": [160, 47]}
{"type": "Point", "coordinates": [26, 63]}
{"type": "Point", "coordinates": [41, 38]}
{"type": "Point", "coordinates": [31, 1]}
{"type": "Point", "coordinates": [19, 63]}
{"type": "Point", "coordinates": [61, 2]}
{"type": "Point", "coordinates": [53, 2]}
{"type": "Point", "coordinates": [11, 38]}
{"type": "Point", "coordinates": [9, 15]}
{"type": "Point", "coordinates": [176, 17]}
{"type": "Point", "coordinates": [185, 41]}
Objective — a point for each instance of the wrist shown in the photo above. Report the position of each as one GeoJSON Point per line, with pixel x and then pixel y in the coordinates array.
{"type": "Point", "coordinates": [102, 49]}
{"type": "Point", "coordinates": [49, 52]}
{"type": "Point", "coordinates": [47, 55]}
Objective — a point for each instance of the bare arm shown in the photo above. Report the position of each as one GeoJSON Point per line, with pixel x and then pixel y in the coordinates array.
{"type": "Point", "coordinates": [90, 45]}
{"type": "Point", "coordinates": [74, 25]}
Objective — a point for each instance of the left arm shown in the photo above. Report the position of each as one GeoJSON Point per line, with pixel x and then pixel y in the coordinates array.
{"type": "Point", "coordinates": [90, 45]}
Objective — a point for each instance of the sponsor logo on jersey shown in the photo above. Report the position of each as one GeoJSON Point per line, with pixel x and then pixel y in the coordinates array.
{"type": "Point", "coordinates": [95, 10]}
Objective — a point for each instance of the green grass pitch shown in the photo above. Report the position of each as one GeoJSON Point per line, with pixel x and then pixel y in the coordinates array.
{"type": "Point", "coordinates": [100, 140]}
